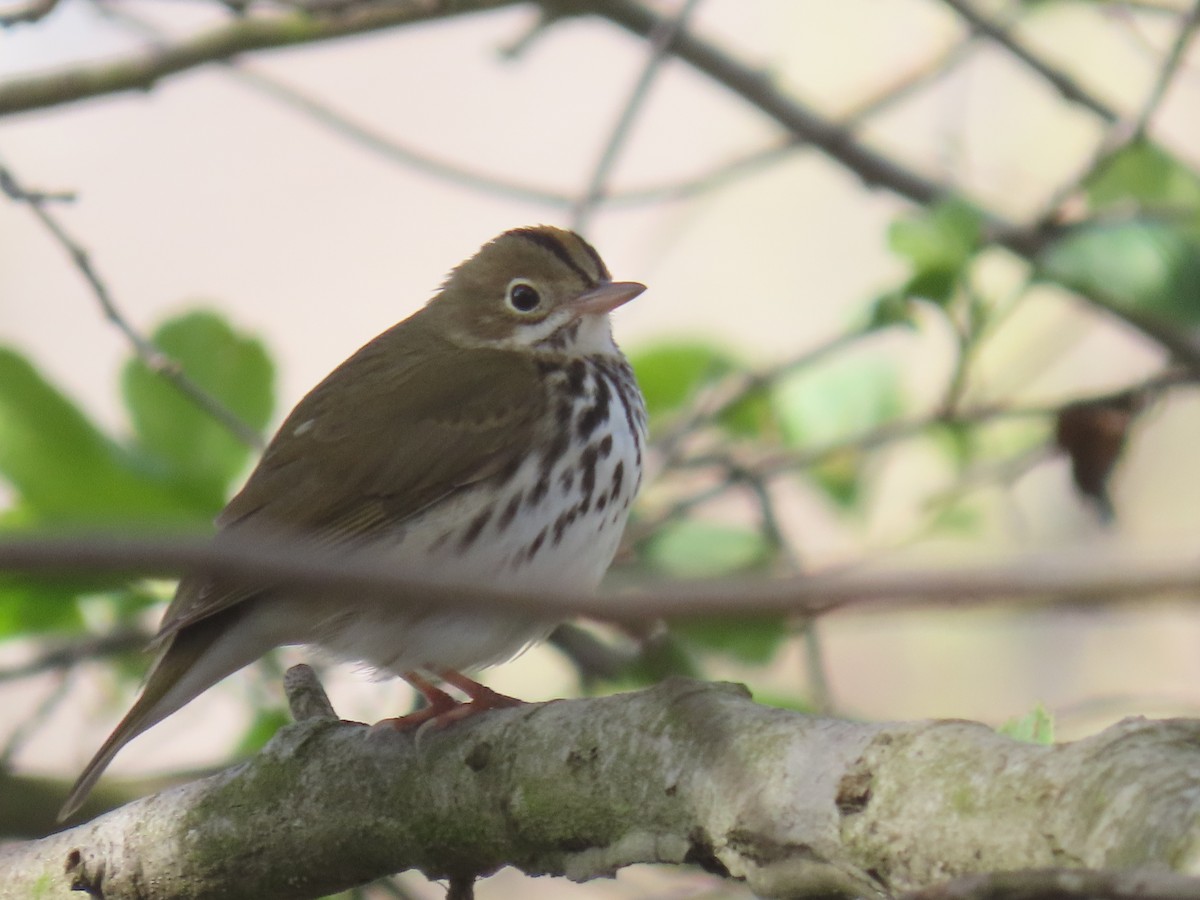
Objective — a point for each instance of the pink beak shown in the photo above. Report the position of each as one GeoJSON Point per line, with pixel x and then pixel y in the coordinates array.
{"type": "Point", "coordinates": [606, 297]}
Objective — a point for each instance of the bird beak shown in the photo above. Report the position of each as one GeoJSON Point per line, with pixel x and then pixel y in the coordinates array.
{"type": "Point", "coordinates": [606, 297]}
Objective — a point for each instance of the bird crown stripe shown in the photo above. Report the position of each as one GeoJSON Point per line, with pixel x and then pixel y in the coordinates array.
{"type": "Point", "coordinates": [555, 246]}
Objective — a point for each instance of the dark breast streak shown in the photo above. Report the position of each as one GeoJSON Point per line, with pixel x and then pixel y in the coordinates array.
{"type": "Point", "coordinates": [595, 408]}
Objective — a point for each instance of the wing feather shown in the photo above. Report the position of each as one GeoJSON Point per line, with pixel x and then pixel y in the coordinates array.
{"type": "Point", "coordinates": [384, 436]}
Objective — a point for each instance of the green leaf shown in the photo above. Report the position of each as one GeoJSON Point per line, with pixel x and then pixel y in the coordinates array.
{"type": "Point", "coordinates": [692, 549]}
{"type": "Point", "coordinates": [842, 400]}
{"type": "Point", "coordinates": [266, 723]}
{"type": "Point", "coordinates": [1035, 727]}
{"type": "Point", "coordinates": [663, 656]}
{"type": "Point", "coordinates": [670, 374]}
{"type": "Point", "coordinates": [957, 440]}
{"type": "Point", "coordinates": [957, 519]}
{"type": "Point", "coordinates": [892, 308]}
{"type": "Point", "coordinates": [196, 450]}
{"type": "Point", "coordinates": [752, 416]}
{"type": "Point", "coordinates": [1147, 175]}
{"type": "Point", "coordinates": [1145, 267]}
{"type": "Point", "coordinates": [938, 243]}
{"type": "Point", "coordinates": [28, 607]}
{"type": "Point", "coordinates": [64, 469]}
{"type": "Point", "coordinates": [749, 640]}
{"type": "Point", "coordinates": [784, 701]}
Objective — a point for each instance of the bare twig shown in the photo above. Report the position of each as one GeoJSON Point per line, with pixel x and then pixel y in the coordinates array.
{"type": "Point", "coordinates": [306, 696]}
{"type": "Point", "coordinates": [344, 126]}
{"type": "Point", "coordinates": [33, 11]}
{"type": "Point", "coordinates": [898, 430]}
{"type": "Point", "coordinates": [1068, 578]}
{"type": "Point", "coordinates": [874, 168]}
{"type": "Point", "coordinates": [1125, 132]}
{"type": "Point", "coordinates": [1067, 86]}
{"type": "Point", "coordinates": [1167, 71]}
{"type": "Point", "coordinates": [225, 42]}
{"type": "Point", "coordinates": [154, 358]}
{"type": "Point", "coordinates": [66, 654]}
{"type": "Point", "coordinates": [660, 43]}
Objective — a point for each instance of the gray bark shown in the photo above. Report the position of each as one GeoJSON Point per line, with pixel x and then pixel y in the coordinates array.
{"type": "Point", "coordinates": [685, 772]}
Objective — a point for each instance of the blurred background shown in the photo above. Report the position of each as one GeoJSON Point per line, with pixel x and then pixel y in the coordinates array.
{"type": "Point", "coordinates": [924, 287]}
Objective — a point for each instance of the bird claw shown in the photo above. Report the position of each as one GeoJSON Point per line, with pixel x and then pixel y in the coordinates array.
{"type": "Point", "coordinates": [441, 709]}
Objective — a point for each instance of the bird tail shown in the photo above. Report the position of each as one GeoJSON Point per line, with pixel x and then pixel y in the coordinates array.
{"type": "Point", "coordinates": [194, 659]}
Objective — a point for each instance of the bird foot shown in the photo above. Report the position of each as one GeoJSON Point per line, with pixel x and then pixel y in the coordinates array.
{"type": "Point", "coordinates": [442, 709]}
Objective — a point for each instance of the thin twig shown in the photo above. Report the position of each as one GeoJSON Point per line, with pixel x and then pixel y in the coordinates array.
{"type": "Point", "coordinates": [1167, 71]}
{"type": "Point", "coordinates": [1126, 132]}
{"type": "Point", "coordinates": [153, 358]}
{"type": "Point", "coordinates": [1043, 579]}
{"type": "Point", "coordinates": [781, 464]}
{"type": "Point", "coordinates": [815, 670]}
{"type": "Point", "coordinates": [1067, 86]}
{"type": "Point", "coordinates": [741, 385]}
{"type": "Point", "coordinates": [660, 43]}
{"type": "Point", "coordinates": [890, 432]}
{"type": "Point", "coordinates": [871, 166]}
{"type": "Point", "coordinates": [240, 36]}
{"type": "Point", "coordinates": [33, 11]}
{"type": "Point", "coordinates": [342, 125]}
{"type": "Point", "coordinates": [71, 653]}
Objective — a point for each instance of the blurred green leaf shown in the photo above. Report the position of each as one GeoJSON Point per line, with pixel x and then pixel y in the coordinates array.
{"type": "Point", "coordinates": [692, 549]}
{"type": "Point", "coordinates": [1035, 727]}
{"type": "Point", "coordinates": [661, 657]}
{"type": "Point", "coordinates": [36, 607]}
{"type": "Point", "coordinates": [1145, 267]}
{"type": "Point", "coordinates": [1149, 176]}
{"type": "Point", "coordinates": [784, 701]}
{"type": "Point", "coordinates": [938, 243]}
{"type": "Point", "coordinates": [836, 403]}
{"type": "Point", "coordinates": [957, 519]}
{"type": "Point", "coordinates": [957, 440]}
{"type": "Point", "coordinates": [890, 309]}
{"type": "Point", "coordinates": [842, 399]}
{"type": "Point", "coordinates": [62, 467]}
{"type": "Point", "coordinates": [669, 374]}
{"type": "Point", "coordinates": [749, 640]}
{"type": "Point", "coordinates": [262, 729]}
{"type": "Point", "coordinates": [199, 453]}
{"type": "Point", "coordinates": [752, 416]}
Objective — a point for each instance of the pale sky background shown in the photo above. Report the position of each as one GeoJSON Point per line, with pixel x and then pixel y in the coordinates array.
{"type": "Point", "coordinates": [205, 192]}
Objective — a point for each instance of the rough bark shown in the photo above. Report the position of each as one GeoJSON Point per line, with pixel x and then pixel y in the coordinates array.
{"type": "Point", "coordinates": [685, 772]}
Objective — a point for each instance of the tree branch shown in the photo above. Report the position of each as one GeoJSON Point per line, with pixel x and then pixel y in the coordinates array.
{"type": "Point", "coordinates": [151, 356]}
{"type": "Point", "coordinates": [1067, 86]}
{"type": "Point", "coordinates": [686, 772]}
{"type": "Point", "coordinates": [144, 71]}
{"type": "Point", "coordinates": [304, 568]}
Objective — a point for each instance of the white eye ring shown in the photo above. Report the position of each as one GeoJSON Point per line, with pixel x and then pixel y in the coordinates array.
{"type": "Point", "coordinates": [522, 297]}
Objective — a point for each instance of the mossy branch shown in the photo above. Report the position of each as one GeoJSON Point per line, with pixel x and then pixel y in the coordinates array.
{"type": "Point", "coordinates": [685, 772]}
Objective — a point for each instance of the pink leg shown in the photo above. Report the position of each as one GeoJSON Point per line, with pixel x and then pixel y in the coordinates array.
{"type": "Point", "coordinates": [442, 709]}
{"type": "Point", "coordinates": [438, 704]}
{"type": "Point", "coordinates": [482, 698]}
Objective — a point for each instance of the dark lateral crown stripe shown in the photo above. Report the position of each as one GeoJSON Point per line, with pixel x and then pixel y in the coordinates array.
{"type": "Point", "coordinates": [555, 246]}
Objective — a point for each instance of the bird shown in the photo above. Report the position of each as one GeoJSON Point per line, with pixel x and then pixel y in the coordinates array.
{"type": "Point", "coordinates": [493, 438]}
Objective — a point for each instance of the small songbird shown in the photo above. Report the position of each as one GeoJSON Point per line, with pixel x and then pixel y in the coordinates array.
{"type": "Point", "coordinates": [494, 438]}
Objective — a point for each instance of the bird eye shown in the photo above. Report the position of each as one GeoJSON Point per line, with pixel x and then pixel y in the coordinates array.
{"type": "Point", "coordinates": [523, 296]}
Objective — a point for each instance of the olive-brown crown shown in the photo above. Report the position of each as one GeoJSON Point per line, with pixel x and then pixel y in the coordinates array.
{"type": "Point", "coordinates": [518, 289]}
